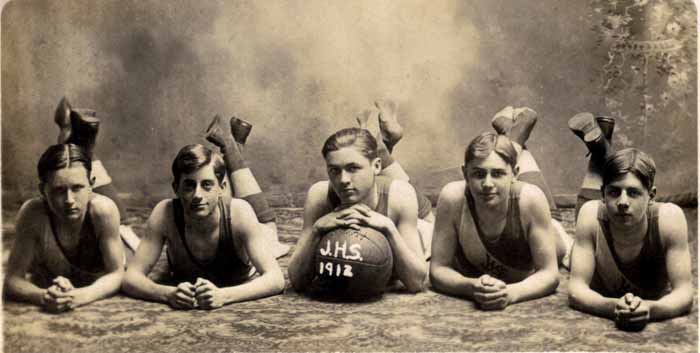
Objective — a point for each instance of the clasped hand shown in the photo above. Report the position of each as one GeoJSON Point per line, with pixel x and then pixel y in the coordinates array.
{"type": "Point", "coordinates": [202, 294]}
{"type": "Point", "coordinates": [353, 217]}
{"type": "Point", "coordinates": [62, 296]}
{"type": "Point", "coordinates": [631, 313]}
{"type": "Point", "coordinates": [491, 293]}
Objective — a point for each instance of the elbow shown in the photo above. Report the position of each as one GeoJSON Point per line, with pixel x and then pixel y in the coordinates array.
{"type": "Point", "coordinates": [574, 297]}
{"type": "Point", "coordinates": [553, 283]}
{"type": "Point", "coordinates": [295, 280]}
{"type": "Point", "coordinates": [417, 283]}
{"type": "Point", "coordinates": [414, 287]}
{"type": "Point", "coordinates": [278, 282]}
{"type": "Point", "coordinates": [435, 281]}
{"type": "Point", "coordinates": [687, 304]}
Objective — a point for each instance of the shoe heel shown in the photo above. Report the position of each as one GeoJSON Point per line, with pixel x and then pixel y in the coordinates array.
{"type": "Point", "coordinates": [240, 129]}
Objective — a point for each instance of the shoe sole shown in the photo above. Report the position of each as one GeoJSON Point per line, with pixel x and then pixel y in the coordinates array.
{"type": "Point", "coordinates": [240, 129]}
{"type": "Point", "coordinates": [585, 127]}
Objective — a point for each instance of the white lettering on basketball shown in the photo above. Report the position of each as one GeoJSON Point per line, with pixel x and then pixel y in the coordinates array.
{"type": "Point", "coordinates": [355, 251]}
{"type": "Point", "coordinates": [335, 270]}
{"type": "Point", "coordinates": [340, 249]}
{"type": "Point", "coordinates": [327, 250]}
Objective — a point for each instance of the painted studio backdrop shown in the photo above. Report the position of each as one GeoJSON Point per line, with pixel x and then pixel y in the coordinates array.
{"type": "Point", "coordinates": [157, 72]}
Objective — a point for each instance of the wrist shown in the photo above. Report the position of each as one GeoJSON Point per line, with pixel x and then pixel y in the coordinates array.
{"type": "Point", "coordinates": [39, 297]}
{"type": "Point", "coordinates": [389, 229]}
{"type": "Point", "coordinates": [512, 294]}
{"type": "Point", "coordinates": [163, 293]}
{"type": "Point", "coordinates": [228, 295]}
{"type": "Point", "coordinates": [653, 308]}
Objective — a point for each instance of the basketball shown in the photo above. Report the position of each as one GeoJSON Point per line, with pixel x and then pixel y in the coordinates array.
{"type": "Point", "coordinates": [352, 264]}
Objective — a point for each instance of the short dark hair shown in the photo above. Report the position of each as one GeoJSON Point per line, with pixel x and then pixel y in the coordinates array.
{"type": "Point", "coordinates": [482, 146]}
{"type": "Point", "coordinates": [361, 139]}
{"type": "Point", "coordinates": [62, 156]}
{"type": "Point", "coordinates": [630, 160]}
{"type": "Point", "coordinates": [193, 157]}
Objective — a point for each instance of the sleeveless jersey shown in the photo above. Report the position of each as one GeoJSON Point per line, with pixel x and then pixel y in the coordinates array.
{"type": "Point", "coordinates": [82, 266]}
{"type": "Point", "coordinates": [644, 276]}
{"type": "Point", "coordinates": [509, 257]}
{"type": "Point", "coordinates": [228, 267]}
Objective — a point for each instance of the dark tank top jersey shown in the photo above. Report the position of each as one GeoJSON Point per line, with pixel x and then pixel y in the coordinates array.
{"type": "Point", "coordinates": [512, 247]}
{"type": "Point", "coordinates": [225, 269]}
{"type": "Point", "coordinates": [82, 266]}
{"type": "Point", "coordinates": [648, 269]}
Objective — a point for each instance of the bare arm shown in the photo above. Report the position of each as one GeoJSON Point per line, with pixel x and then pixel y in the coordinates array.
{"type": "Point", "coordinates": [301, 263]}
{"type": "Point", "coordinates": [26, 233]}
{"type": "Point", "coordinates": [674, 234]}
{"type": "Point", "coordinates": [271, 279]}
{"type": "Point", "coordinates": [542, 241]}
{"type": "Point", "coordinates": [443, 277]}
{"type": "Point", "coordinates": [136, 282]}
{"type": "Point", "coordinates": [105, 216]}
{"type": "Point", "coordinates": [581, 296]}
{"type": "Point", "coordinates": [404, 237]}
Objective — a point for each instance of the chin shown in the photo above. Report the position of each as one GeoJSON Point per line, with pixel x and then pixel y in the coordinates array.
{"type": "Point", "coordinates": [73, 217]}
{"type": "Point", "coordinates": [200, 213]}
{"type": "Point", "coordinates": [349, 201]}
{"type": "Point", "coordinates": [492, 202]}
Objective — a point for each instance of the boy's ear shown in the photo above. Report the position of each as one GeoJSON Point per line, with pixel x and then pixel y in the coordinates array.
{"type": "Point", "coordinates": [174, 185]}
{"type": "Point", "coordinates": [652, 193]}
{"type": "Point", "coordinates": [377, 165]}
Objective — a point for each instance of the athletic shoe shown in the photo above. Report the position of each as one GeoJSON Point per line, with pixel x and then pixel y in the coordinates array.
{"type": "Point", "coordinates": [524, 120]}
{"type": "Point", "coordinates": [240, 129]}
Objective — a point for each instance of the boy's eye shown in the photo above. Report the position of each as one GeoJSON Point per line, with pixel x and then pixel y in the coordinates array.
{"type": "Point", "coordinates": [479, 174]}
{"type": "Point", "coordinates": [634, 193]}
{"type": "Point", "coordinates": [614, 192]}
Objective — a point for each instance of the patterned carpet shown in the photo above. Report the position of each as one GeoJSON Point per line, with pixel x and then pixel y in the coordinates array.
{"type": "Point", "coordinates": [398, 322]}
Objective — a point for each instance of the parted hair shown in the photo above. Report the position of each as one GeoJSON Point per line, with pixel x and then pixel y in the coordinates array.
{"type": "Point", "coordinates": [361, 139]}
{"type": "Point", "coordinates": [195, 156]}
{"type": "Point", "coordinates": [62, 156]}
{"type": "Point", "coordinates": [630, 160]}
{"type": "Point", "coordinates": [482, 146]}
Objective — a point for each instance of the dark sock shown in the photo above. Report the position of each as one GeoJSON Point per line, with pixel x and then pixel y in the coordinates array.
{"type": "Point", "coordinates": [262, 209]}
{"type": "Point", "coordinates": [384, 154]}
{"type": "Point", "coordinates": [234, 159]}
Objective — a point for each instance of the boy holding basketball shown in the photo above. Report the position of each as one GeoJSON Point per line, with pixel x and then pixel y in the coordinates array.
{"type": "Point", "coordinates": [358, 193]}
